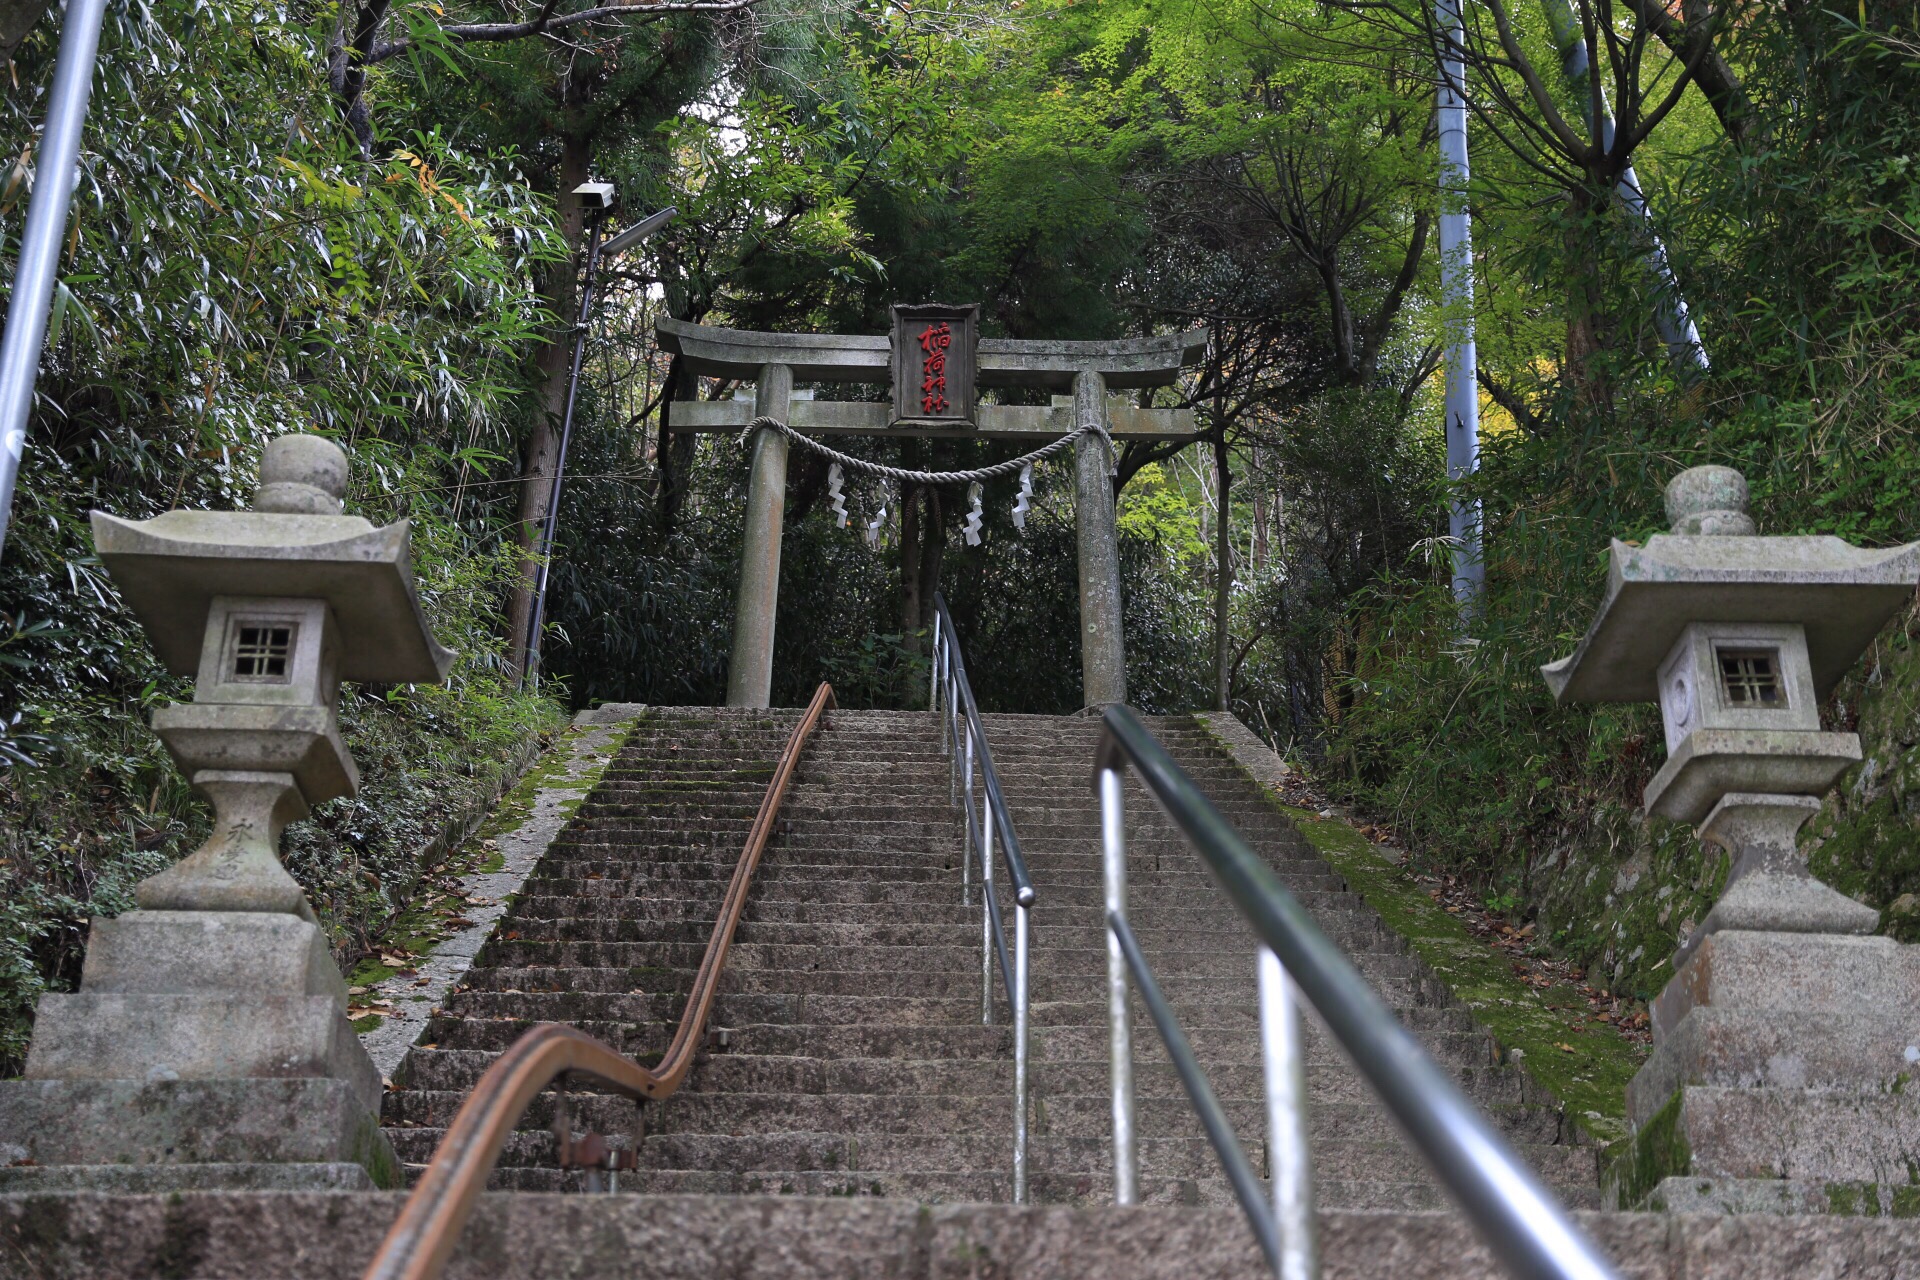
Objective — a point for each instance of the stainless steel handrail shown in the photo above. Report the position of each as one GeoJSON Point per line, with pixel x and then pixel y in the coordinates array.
{"type": "Point", "coordinates": [965, 743]}
{"type": "Point", "coordinates": [1521, 1221]}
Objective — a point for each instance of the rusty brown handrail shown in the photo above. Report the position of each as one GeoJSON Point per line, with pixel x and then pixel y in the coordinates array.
{"type": "Point", "coordinates": [423, 1236]}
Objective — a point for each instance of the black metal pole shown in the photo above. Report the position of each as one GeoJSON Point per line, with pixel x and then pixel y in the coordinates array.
{"type": "Point", "coordinates": [531, 668]}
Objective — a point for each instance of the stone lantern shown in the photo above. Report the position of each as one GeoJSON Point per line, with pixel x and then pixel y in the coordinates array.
{"type": "Point", "coordinates": [208, 1044]}
{"type": "Point", "coordinates": [1784, 1035]}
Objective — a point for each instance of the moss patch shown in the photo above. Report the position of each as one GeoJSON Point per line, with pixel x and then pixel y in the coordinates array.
{"type": "Point", "coordinates": [438, 904]}
{"type": "Point", "coordinates": [1871, 1200]}
{"type": "Point", "coordinates": [1586, 1067]}
{"type": "Point", "coordinates": [1633, 1167]}
{"type": "Point", "coordinates": [550, 770]}
{"type": "Point", "coordinates": [1590, 1080]}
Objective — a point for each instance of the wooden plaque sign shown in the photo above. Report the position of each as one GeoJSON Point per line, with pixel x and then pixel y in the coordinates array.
{"type": "Point", "coordinates": [935, 359]}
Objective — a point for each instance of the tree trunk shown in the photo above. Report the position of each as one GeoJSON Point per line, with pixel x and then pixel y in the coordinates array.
{"type": "Point", "coordinates": [347, 70]}
{"type": "Point", "coordinates": [922, 550]}
{"type": "Point", "coordinates": [1262, 548]}
{"type": "Point", "coordinates": [1222, 576]}
{"type": "Point", "coordinates": [910, 578]}
{"type": "Point", "coordinates": [540, 451]}
{"type": "Point", "coordinates": [933, 537]}
{"type": "Point", "coordinates": [673, 454]}
{"type": "Point", "coordinates": [1586, 339]}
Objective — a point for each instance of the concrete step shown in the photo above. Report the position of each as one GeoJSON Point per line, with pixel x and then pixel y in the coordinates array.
{"type": "Point", "coordinates": [1355, 1119]}
{"type": "Point", "coordinates": [876, 948]}
{"type": "Point", "coordinates": [1081, 1190]}
{"type": "Point", "coordinates": [962, 981]}
{"type": "Point", "coordinates": [1238, 1012]}
{"type": "Point", "coordinates": [1170, 1158]}
{"type": "Point", "coordinates": [776, 878]}
{"type": "Point", "coordinates": [489, 1022]}
{"type": "Point", "coordinates": [1066, 924]}
{"type": "Point", "coordinates": [555, 994]}
{"type": "Point", "coordinates": [456, 1070]}
{"type": "Point", "coordinates": [831, 1227]}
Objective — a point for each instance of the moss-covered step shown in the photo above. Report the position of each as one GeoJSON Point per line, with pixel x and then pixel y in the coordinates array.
{"type": "Point", "coordinates": [1587, 1068]}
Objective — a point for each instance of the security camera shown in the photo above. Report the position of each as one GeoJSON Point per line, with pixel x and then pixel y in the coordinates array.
{"type": "Point", "coordinates": [595, 195]}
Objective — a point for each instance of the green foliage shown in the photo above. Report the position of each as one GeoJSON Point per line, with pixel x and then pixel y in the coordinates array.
{"type": "Point", "coordinates": [1153, 509]}
{"type": "Point", "coordinates": [237, 272]}
{"type": "Point", "coordinates": [1799, 262]}
{"type": "Point", "coordinates": [1866, 841]}
{"type": "Point", "coordinates": [1590, 1083]}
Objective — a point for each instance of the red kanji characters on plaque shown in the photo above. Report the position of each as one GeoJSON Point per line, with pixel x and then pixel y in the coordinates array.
{"type": "Point", "coordinates": [933, 360]}
{"type": "Point", "coordinates": [934, 341]}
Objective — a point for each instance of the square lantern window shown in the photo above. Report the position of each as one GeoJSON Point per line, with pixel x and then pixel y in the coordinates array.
{"type": "Point", "coordinates": [1730, 675]}
{"type": "Point", "coordinates": [262, 650]}
{"type": "Point", "coordinates": [1750, 677]}
{"type": "Point", "coordinates": [268, 650]}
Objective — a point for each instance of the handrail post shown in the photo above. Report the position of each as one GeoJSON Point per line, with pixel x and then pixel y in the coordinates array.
{"type": "Point", "coordinates": [933, 666]}
{"type": "Point", "coordinates": [1113, 862]}
{"type": "Point", "coordinates": [1289, 1157]}
{"type": "Point", "coordinates": [953, 728]}
{"type": "Point", "coordinates": [36, 267]}
{"type": "Point", "coordinates": [966, 818]}
{"type": "Point", "coordinates": [1021, 1003]}
{"type": "Point", "coordinates": [986, 918]}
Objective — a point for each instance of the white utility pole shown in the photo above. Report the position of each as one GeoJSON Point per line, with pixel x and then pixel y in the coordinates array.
{"type": "Point", "coordinates": [1456, 297]}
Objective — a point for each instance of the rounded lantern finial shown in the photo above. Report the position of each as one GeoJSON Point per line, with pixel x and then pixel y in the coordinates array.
{"type": "Point", "coordinates": [302, 475]}
{"type": "Point", "coordinates": [1709, 501]}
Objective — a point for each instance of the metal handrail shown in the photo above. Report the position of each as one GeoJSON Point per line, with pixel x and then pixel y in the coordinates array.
{"type": "Point", "coordinates": [964, 741]}
{"type": "Point", "coordinates": [422, 1238]}
{"type": "Point", "coordinates": [1520, 1219]}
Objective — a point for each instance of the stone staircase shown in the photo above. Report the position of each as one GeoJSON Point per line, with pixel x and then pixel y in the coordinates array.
{"type": "Point", "coordinates": [852, 1117]}
{"type": "Point", "coordinates": [848, 1055]}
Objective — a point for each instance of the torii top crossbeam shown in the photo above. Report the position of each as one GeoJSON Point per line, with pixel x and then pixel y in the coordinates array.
{"type": "Point", "coordinates": [1045, 363]}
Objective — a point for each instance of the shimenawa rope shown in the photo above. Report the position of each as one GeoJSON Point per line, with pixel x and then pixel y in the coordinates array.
{"type": "Point", "coordinates": [1010, 467]}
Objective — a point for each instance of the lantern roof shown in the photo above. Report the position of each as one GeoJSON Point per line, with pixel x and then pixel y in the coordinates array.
{"type": "Point", "coordinates": [171, 567]}
{"type": "Point", "coordinates": [1842, 594]}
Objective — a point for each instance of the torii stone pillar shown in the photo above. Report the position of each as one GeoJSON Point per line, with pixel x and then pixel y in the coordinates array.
{"type": "Point", "coordinates": [1090, 370]}
{"type": "Point", "coordinates": [750, 672]}
{"type": "Point", "coordinates": [1103, 651]}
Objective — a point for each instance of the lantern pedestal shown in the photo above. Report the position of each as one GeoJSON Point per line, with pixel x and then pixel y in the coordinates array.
{"type": "Point", "coordinates": [1769, 887]}
{"type": "Point", "coordinates": [200, 1038]}
{"type": "Point", "coordinates": [1782, 1078]}
{"type": "Point", "coordinates": [236, 869]}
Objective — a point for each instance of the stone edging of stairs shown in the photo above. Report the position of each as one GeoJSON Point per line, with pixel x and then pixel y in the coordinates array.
{"type": "Point", "coordinates": [522, 822]}
{"type": "Point", "coordinates": [1587, 1070]}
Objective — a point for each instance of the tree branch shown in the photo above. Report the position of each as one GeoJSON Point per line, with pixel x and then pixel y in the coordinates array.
{"type": "Point", "coordinates": [1692, 41]}
{"type": "Point", "coordinates": [1577, 148]}
{"type": "Point", "coordinates": [1512, 401]}
{"type": "Point", "coordinates": [1135, 455]}
{"type": "Point", "coordinates": [545, 23]}
{"type": "Point", "coordinates": [1390, 305]}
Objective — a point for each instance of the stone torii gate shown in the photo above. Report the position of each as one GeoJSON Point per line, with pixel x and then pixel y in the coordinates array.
{"type": "Point", "coordinates": [934, 360]}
